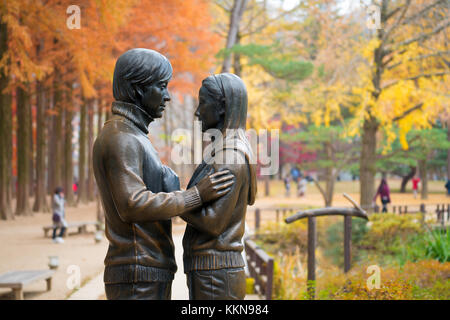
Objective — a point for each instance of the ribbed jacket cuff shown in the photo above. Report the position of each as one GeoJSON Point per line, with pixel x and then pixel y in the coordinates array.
{"type": "Point", "coordinates": [192, 198]}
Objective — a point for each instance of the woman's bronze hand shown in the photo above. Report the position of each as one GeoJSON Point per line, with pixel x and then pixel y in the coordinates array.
{"type": "Point", "coordinates": [215, 185]}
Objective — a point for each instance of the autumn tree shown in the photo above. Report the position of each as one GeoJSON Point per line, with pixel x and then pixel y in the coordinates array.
{"type": "Point", "coordinates": [403, 78]}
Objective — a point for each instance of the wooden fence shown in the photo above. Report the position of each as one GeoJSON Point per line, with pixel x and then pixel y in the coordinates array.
{"type": "Point", "coordinates": [260, 267]}
{"type": "Point", "coordinates": [442, 212]}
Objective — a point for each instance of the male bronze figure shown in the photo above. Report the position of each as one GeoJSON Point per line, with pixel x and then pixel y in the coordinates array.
{"type": "Point", "coordinates": [212, 241]}
{"type": "Point", "coordinates": [138, 193]}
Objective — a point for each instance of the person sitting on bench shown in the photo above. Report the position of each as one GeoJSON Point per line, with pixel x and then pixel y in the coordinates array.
{"type": "Point", "coordinates": [58, 215]}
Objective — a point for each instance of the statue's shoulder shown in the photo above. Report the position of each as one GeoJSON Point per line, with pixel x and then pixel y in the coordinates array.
{"type": "Point", "coordinates": [116, 134]}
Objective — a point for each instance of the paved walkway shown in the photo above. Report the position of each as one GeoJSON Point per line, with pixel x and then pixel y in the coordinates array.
{"type": "Point", "coordinates": [95, 290]}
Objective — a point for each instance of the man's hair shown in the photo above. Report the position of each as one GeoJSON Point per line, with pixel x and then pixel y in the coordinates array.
{"type": "Point", "coordinates": [137, 68]}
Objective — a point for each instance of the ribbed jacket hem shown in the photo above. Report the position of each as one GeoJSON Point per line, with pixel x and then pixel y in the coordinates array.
{"type": "Point", "coordinates": [135, 273]}
{"type": "Point", "coordinates": [219, 260]}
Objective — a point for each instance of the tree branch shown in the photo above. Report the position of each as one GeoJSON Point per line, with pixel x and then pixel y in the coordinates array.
{"type": "Point", "coordinates": [404, 114]}
{"type": "Point", "coordinates": [422, 12]}
{"type": "Point", "coordinates": [421, 57]}
{"type": "Point", "coordinates": [422, 75]}
{"type": "Point", "coordinates": [423, 36]}
{"type": "Point", "coordinates": [397, 22]}
{"type": "Point", "coordinates": [264, 25]}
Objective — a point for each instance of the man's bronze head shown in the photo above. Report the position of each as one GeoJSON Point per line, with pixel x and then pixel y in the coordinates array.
{"type": "Point", "coordinates": [141, 77]}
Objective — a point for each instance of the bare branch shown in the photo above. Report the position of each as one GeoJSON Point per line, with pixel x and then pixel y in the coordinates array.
{"type": "Point", "coordinates": [422, 12]}
{"type": "Point", "coordinates": [397, 22]}
{"type": "Point", "coordinates": [421, 57]}
{"type": "Point", "coordinates": [264, 25]}
{"type": "Point", "coordinates": [422, 75]}
{"type": "Point", "coordinates": [424, 36]}
{"type": "Point", "coordinates": [220, 5]}
{"type": "Point", "coordinates": [404, 114]}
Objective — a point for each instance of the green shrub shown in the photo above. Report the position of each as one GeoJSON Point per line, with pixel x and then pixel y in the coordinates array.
{"type": "Point", "coordinates": [334, 240]}
{"type": "Point", "coordinates": [438, 245]}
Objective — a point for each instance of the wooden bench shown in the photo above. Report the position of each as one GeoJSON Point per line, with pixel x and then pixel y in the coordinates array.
{"type": "Point", "coordinates": [80, 226]}
{"type": "Point", "coordinates": [16, 280]}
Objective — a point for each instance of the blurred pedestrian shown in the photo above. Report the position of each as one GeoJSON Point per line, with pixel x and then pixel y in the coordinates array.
{"type": "Point", "coordinates": [385, 195]}
{"type": "Point", "coordinates": [59, 221]}
{"type": "Point", "coordinates": [301, 187]}
{"type": "Point", "coordinates": [287, 186]}
{"type": "Point", "coordinates": [415, 183]}
{"type": "Point", "coordinates": [447, 186]}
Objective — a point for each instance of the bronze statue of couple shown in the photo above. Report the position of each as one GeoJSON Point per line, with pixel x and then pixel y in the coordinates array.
{"type": "Point", "coordinates": [140, 195]}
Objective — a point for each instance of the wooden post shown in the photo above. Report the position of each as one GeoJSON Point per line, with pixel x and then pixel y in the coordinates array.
{"type": "Point", "coordinates": [347, 242]}
{"type": "Point", "coordinates": [423, 211]}
{"type": "Point", "coordinates": [311, 257]}
{"type": "Point", "coordinates": [269, 284]}
{"type": "Point", "coordinates": [257, 218]}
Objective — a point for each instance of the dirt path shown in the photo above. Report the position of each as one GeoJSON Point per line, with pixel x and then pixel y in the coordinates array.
{"type": "Point", "coordinates": [23, 247]}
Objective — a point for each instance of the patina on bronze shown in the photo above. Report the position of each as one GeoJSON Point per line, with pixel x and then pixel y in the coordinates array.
{"type": "Point", "coordinates": [212, 241]}
{"type": "Point", "coordinates": [138, 193]}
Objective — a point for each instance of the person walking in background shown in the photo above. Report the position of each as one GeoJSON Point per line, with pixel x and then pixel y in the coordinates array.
{"type": "Point", "coordinates": [287, 185]}
{"type": "Point", "coordinates": [415, 183]}
{"type": "Point", "coordinates": [383, 191]}
{"type": "Point", "coordinates": [447, 186]}
{"type": "Point", "coordinates": [301, 187]}
{"type": "Point", "coordinates": [59, 221]}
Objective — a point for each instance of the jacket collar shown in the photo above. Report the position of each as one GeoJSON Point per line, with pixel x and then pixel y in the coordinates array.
{"type": "Point", "coordinates": [133, 113]}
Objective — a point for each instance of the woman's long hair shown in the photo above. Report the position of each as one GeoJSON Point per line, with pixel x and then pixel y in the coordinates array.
{"type": "Point", "coordinates": [231, 94]}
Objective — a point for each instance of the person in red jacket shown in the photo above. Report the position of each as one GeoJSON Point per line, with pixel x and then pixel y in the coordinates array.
{"type": "Point", "coordinates": [415, 183]}
{"type": "Point", "coordinates": [385, 195]}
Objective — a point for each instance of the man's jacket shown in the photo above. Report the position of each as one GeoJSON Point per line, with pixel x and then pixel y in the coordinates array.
{"type": "Point", "coordinates": [138, 196]}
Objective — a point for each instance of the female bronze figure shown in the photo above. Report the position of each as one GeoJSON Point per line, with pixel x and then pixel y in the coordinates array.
{"type": "Point", "coordinates": [212, 241]}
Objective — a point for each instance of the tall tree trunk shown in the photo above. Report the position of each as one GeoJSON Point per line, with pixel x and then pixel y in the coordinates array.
{"type": "Point", "coordinates": [100, 116]}
{"type": "Point", "coordinates": [100, 210]}
{"type": "Point", "coordinates": [423, 178]}
{"type": "Point", "coordinates": [368, 163]}
{"type": "Point", "coordinates": [82, 182]}
{"type": "Point", "coordinates": [448, 151]}
{"type": "Point", "coordinates": [40, 202]}
{"type": "Point", "coordinates": [235, 19]}
{"type": "Point", "coordinates": [5, 137]}
{"type": "Point", "coordinates": [50, 144]}
{"type": "Point", "coordinates": [68, 159]}
{"type": "Point", "coordinates": [90, 179]}
{"type": "Point", "coordinates": [57, 143]}
{"type": "Point", "coordinates": [23, 152]}
{"type": "Point", "coordinates": [31, 189]}
{"type": "Point", "coordinates": [406, 179]}
{"type": "Point", "coordinates": [237, 66]}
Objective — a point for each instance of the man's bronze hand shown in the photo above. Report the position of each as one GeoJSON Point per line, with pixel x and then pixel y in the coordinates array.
{"type": "Point", "coordinates": [215, 185]}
